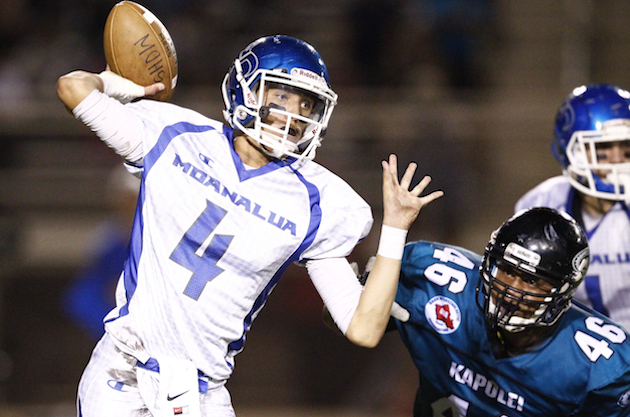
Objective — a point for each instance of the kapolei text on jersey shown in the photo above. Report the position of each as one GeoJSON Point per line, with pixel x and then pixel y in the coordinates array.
{"type": "Point", "coordinates": [251, 207]}
{"type": "Point", "coordinates": [477, 382]}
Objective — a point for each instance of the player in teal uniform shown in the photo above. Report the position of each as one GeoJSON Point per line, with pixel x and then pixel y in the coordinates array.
{"type": "Point", "coordinates": [499, 335]}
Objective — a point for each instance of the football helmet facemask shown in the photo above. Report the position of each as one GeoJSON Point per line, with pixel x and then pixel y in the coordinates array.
{"type": "Point", "coordinates": [591, 119]}
{"type": "Point", "coordinates": [290, 64]}
{"type": "Point", "coordinates": [543, 247]}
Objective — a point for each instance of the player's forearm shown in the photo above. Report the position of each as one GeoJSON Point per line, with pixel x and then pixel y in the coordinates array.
{"type": "Point", "coordinates": [74, 87]}
{"type": "Point", "coordinates": [115, 124]}
{"type": "Point", "coordinates": [372, 315]}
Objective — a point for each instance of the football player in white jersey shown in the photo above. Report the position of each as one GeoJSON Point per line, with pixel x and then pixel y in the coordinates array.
{"type": "Point", "coordinates": [592, 143]}
{"type": "Point", "coordinates": [222, 212]}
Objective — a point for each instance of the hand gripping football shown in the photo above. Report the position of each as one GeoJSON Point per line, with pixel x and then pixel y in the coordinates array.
{"type": "Point", "coordinates": [138, 47]}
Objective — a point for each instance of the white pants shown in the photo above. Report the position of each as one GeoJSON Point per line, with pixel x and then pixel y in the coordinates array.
{"type": "Point", "coordinates": [109, 388]}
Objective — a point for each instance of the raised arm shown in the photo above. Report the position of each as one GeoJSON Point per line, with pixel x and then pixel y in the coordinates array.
{"type": "Point", "coordinates": [96, 100]}
{"type": "Point", "coordinates": [75, 86]}
{"type": "Point", "coordinates": [401, 207]}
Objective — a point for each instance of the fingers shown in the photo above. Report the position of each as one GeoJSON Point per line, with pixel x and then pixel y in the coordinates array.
{"type": "Point", "coordinates": [390, 167]}
{"type": "Point", "coordinates": [153, 89]}
{"type": "Point", "coordinates": [401, 205]}
{"type": "Point", "coordinates": [393, 165]}
{"type": "Point", "coordinates": [431, 197]}
{"type": "Point", "coordinates": [405, 181]}
{"type": "Point", "coordinates": [421, 186]}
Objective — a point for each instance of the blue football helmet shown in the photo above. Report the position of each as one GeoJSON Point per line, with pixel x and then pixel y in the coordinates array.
{"type": "Point", "coordinates": [289, 64]}
{"type": "Point", "coordinates": [590, 119]}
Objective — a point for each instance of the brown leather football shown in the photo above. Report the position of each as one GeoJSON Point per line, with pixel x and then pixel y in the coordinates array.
{"type": "Point", "coordinates": [138, 47]}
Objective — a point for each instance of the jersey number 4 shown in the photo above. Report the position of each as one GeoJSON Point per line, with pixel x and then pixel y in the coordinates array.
{"type": "Point", "coordinates": [199, 253]}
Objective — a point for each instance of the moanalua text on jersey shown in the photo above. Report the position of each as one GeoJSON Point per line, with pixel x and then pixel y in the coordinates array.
{"type": "Point", "coordinates": [610, 258]}
{"type": "Point", "coordinates": [251, 207]}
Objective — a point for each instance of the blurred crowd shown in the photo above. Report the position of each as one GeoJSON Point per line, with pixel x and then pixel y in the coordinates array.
{"type": "Point", "coordinates": [370, 42]}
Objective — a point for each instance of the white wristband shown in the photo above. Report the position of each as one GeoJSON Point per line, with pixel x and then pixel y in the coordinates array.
{"type": "Point", "coordinates": [120, 88]}
{"type": "Point", "coordinates": [392, 242]}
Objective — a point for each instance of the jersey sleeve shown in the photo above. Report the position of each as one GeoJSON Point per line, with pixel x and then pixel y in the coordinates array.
{"type": "Point", "coordinates": [598, 380]}
{"type": "Point", "coordinates": [345, 220]}
{"type": "Point", "coordinates": [610, 401]}
{"type": "Point", "coordinates": [435, 271]}
{"type": "Point", "coordinates": [156, 116]}
{"type": "Point", "coordinates": [550, 193]}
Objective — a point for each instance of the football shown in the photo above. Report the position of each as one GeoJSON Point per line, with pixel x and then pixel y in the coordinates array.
{"type": "Point", "coordinates": [138, 47]}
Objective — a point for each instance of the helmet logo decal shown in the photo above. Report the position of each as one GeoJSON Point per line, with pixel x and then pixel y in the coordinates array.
{"type": "Point", "coordinates": [580, 262]}
{"type": "Point", "coordinates": [514, 251]}
{"type": "Point", "coordinates": [568, 117]}
{"type": "Point", "coordinates": [443, 314]}
{"type": "Point", "coordinates": [251, 99]}
{"type": "Point", "coordinates": [310, 75]}
{"type": "Point", "coordinates": [619, 127]}
{"type": "Point", "coordinates": [249, 63]}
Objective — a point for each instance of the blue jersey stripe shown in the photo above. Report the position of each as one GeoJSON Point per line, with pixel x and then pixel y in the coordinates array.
{"type": "Point", "coordinates": [314, 223]}
{"type": "Point", "coordinates": [135, 247]}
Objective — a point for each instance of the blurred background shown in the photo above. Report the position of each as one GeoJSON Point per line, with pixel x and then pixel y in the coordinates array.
{"type": "Point", "coordinates": [468, 89]}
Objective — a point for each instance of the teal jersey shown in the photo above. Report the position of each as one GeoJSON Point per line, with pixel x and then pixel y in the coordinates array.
{"type": "Point", "coordinates": [582, 369]}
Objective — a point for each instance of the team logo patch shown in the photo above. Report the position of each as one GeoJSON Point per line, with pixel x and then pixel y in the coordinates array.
{"type": "Point", "coordinates": [443, 314]}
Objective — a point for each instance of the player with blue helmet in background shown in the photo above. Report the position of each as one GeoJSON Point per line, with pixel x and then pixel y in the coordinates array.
{"type": "Point", "coordinates": [222, 212]}
{"type": "Point", "coordinates": [592, 144]}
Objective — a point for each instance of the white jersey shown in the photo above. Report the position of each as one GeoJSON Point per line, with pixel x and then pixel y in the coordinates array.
{"type": "Point", "coordinates": [211, 238]}
{"type": "Point", "coordinates": [607, 284]}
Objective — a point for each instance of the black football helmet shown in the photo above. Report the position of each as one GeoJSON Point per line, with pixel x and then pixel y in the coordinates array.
{"type": "Point", "coordinates": [535, 244]}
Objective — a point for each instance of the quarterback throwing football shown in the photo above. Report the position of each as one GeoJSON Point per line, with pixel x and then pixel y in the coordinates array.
{"type": "Point", "coordinates": [222, 212]}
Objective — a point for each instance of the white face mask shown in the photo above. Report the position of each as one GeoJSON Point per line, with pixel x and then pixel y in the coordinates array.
{"type": "Point", "coordinates": [280, 140]}
{"type": "Point", "coordinates": [591, 168]}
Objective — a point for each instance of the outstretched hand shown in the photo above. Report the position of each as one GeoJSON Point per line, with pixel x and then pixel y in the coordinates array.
{"type": "Point", "coordinates": [401, 205]}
